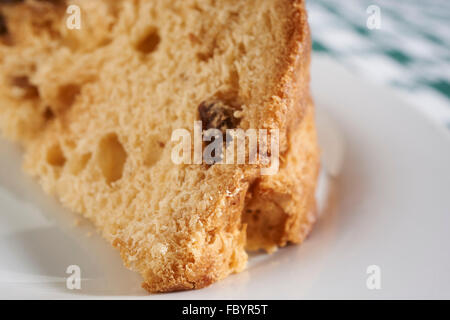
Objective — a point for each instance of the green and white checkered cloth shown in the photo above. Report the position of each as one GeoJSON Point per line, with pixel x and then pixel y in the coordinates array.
{"type": "Point", "coordinates": [409, 52]}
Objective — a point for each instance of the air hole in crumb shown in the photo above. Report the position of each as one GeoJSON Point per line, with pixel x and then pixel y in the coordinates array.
{"type": "Point", "coordinates": [27, 89]}
{"type": "Point", "coordinates": [194, 39]}
{"type": "Point", "coordinates": [3, 26]}
{"type": "Point", "coordinates": [211, 237]}
{"type": "Point", "coordinates": [79, 162]}
{"type": "Point", "coordinates": [55, 156]}
{"type": "Point", "coordinates": [48, 114]}
{"type": "Point", "coordinates": [210, 51]}
{"type": "Point", "coordinates": [196, 7]}
{"type": "Point", "coordinates": [205, 56]}
{"type": "Point", "coordinates": [152, 151]}
{"type": "Point", "coordinates": [149, 43]}
{"type": "Point", "coordinates": [67, 95]}
{"type": "Point", "coordinates": [111, 157]}
{"type": "Point", "coordinates": [242, 49]}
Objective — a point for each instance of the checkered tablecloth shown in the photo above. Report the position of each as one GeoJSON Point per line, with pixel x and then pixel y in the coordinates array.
{"type": "Point", "coordinates": [410, 51]}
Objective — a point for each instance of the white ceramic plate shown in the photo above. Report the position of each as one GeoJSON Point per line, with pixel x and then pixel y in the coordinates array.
{"type": "Point", "coordinates": [388, 205]}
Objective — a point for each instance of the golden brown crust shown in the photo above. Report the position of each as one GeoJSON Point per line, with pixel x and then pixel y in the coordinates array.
{"type": "Point", "coordinates": [291, 95]}
{"type": "Point", "coordinates": [281, 209]}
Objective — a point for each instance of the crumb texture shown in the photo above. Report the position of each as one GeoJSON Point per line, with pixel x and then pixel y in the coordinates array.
{"type": "Point", "coordinates": [95, 108]}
